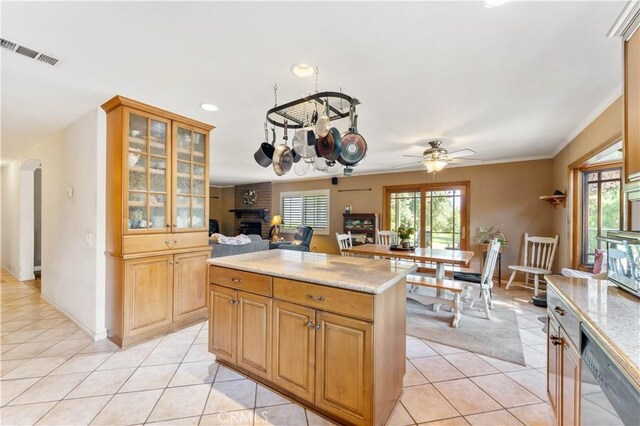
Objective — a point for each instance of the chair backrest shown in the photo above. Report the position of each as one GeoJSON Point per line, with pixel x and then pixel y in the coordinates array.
{"type": "Point", "coordinates": [616, 260]}
{"type": "Point", "coordinates": [486, 279]}
{"type": "Point", "coordinates": [539, 251]}
{"type": "Point", "coordinates": [304, 234]}
{"type": "Point", "coordinates": [386, 237]}
{"type": "Point", "coordinates": [344, 242]}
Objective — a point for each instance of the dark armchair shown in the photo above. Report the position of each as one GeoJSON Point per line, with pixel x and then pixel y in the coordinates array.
{"type": "Point", "coordinates": [301, 240]}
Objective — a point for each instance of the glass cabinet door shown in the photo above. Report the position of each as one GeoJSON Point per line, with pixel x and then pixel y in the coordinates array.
{"type": "Point", "coordinates": [190, 179]}
{"type": "Point", "coordinates": [148, 176]}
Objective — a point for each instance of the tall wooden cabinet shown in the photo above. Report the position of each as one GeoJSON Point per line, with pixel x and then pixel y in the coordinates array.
{"type": "Point", "coordinates": [632, 107]}
{"type": "Point", "coordinates": [157, 215]}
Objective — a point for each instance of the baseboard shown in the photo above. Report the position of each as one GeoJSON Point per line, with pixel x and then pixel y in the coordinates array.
{"type": "Point", "coordinates": [95, 336]}
{"type": "Point", "coordinates": [37, 268]}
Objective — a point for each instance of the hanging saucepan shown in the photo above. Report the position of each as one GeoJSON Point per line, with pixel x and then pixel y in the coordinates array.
{"type": "Point", "coordinates": [323, 122]}
{"type": "Point", "coordinates": [282, 157]}
{"type": "Point", "coordinates": [354, 147]}
{"type": "Point", "coordinates": [330, 146]}
{"type": "Point", "coordinates": [264, 154]}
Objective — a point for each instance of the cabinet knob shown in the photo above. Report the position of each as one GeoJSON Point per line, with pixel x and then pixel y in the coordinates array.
{"type": "Point", "coordinates": [310, 324]}
{"type": "Point", "coordinates": [559, 310]}
{"type": "Point", "coordinates": [317, 326]}
{"type": "Point", "coordinates": [168, 225]}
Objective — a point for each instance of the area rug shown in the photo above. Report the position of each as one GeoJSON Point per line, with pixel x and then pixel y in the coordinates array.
{"type": "Point", "coordinates": [496, 338]}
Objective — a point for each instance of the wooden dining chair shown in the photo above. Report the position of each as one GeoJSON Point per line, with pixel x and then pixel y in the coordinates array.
{"type": "Point", "coordinates": [386, 237]}
{"type": "Point", "coordinates": [344, 242]}
{"type": "Point", "coordinates": [537, 259]}
{"type": "Point", "coordinates": [486, 279]}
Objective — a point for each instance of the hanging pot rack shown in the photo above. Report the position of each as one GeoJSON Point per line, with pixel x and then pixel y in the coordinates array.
{"type": "Point", "coordinates": [296, 112]}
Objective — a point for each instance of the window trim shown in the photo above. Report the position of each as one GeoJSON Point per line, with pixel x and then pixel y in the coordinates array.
{"type": "Point", "coordinates": [316, 231]}
{"type": "Point", "coordinates": [465, 242]}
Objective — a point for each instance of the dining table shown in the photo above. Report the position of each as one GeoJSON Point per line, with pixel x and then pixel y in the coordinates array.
{"type": "Point", "coordinates": [439, 257]}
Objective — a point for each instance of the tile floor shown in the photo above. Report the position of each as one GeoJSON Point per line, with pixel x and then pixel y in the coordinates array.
{"type": "Point", "coordinates": [53, 374]}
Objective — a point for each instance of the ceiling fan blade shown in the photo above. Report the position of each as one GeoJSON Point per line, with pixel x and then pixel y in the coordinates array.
{"type": "Point", "coordinates": [461, 153]}
{"type": "Point", "coordinates": [463, 160]}
{"type": "Point", "coordinates": [413, 156]}
{"type": "Point", "coordinates": [406, 165]}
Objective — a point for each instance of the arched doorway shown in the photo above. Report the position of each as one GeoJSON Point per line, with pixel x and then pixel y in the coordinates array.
{"type": "Point", "coordinates": [29, 223]}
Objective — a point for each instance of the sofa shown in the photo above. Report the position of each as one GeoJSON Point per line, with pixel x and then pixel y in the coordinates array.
{"type": "Point", "coordinates": [256, 244]}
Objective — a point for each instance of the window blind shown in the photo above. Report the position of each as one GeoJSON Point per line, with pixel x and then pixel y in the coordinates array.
{"type": "Point", "coordinates": [305, 208]}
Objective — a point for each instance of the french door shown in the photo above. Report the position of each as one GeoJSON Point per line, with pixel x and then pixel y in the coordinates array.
{"type": "Point", "coordinates": [437, 211]}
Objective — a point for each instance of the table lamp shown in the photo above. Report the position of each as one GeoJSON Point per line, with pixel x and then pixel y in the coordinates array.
{"type": "Point", "coordinates": [276, 221]}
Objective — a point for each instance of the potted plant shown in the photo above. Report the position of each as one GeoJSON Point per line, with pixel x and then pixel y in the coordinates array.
{"type": "Point", "coordinates": [487, 234]}
{"type": "Point", "coordinates": [405, 232]}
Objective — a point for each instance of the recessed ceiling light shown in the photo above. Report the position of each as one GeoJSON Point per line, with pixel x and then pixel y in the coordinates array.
{"type": "Point", "coordinates": [209, 107]}
{"type": "Point", "coordinates": [493, 3]}
{"type": "Point", "coordinates": [302, 70]}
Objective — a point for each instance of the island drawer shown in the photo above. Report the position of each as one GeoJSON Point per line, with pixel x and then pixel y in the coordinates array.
{"type": "Point", "coordinates": [241, 280]}
{"type": "Point", "coordinates": [331, 299]}
{"type": "Point", "coordinates": [564, 315]}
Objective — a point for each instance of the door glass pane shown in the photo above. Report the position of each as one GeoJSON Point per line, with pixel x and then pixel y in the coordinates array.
{"type": "Point", "coordinates": [183, 212]}
{"type": "Point", "coordinates": [158, 169]}
{"type": "Point", "coordinates": [198, 179]}
{"type": "Point", "coordinates": [197, 212]}
{"type": "Point", "coordinates": [137, 133]}
{"type": "Point", "coordinates": [610, 199]}
{"type": "Point", "coordinates": [592, 217]}
{"type": "Point", "coordinates": [184, 178]}
{"type": "Point", "coordinates": [137, 171]}
{"type": "Point", "coordinates": [405, 209]}
{"type": "Point", "coordinates": [184, 144]}
{"type": "Point", "coordinates": [137, 210]}
{"type": "Point", "coordinates": [158, 140]}
{"type": "Point", "coordinates": [157, 205]}
{"type": "Point", "coordinates": [198, 147]}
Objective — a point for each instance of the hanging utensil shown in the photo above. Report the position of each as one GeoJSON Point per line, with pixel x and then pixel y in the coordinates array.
{"type": "Point", "coordinates": [323, 123]}
{"type": "Point", "coordinates": [282, 157]}
{"type": "Point", "coordinates": [301, 145]}
{"type": "Point", "coordinates": [354, 146]}
{"type": "Point", "coordinates": [301, 168]}
{"type": "Point", "coordinates": [264, 154]}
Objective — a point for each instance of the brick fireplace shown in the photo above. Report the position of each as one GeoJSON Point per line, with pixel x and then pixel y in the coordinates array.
{"type": "Point", "coordinates": [263, 201]}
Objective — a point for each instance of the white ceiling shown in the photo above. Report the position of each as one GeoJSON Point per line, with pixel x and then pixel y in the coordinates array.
{"type": "Point", "coordinates": [510, 82]}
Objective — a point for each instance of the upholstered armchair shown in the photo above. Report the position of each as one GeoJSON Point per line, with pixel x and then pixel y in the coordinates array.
{"type": "Point", "coordinates": [301, 240]}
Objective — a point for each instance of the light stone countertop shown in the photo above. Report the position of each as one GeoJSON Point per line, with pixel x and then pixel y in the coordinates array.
{"type": "Point", "coordinates": [610, 313]}
{"type": "Point", "coordinates": [365, 275]}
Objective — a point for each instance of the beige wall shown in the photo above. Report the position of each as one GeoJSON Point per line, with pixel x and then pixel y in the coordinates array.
{"type": "Point", "coordinates": [219, 208]}
{"type": "Point", "coordinates": [505, 195]}
{"type": "Point", "coordinates": [605, 127]}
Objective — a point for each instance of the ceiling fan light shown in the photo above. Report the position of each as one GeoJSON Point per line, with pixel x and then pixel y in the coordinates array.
{"type": "Point", "coordinates": [434, 165]}
{"type": "Point", "coordinates": [493, 3]}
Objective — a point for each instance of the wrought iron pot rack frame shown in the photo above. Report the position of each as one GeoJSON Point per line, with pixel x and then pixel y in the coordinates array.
{"type": "Point", "coordinates": [296, 111]}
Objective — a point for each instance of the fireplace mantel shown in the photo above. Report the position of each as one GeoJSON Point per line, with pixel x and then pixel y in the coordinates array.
{"type": "Point", "coordinates": [261, 213]}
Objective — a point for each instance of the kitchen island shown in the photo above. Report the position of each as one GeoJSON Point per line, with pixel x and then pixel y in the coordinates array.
{"type": "Point", "coordinates": [327, 331]}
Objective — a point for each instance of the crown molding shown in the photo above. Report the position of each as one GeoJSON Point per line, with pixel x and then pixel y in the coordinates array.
{"type": "Point", "coordinates": [627, 22]}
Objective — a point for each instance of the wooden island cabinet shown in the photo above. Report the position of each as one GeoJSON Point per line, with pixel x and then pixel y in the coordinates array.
{"type": "Point", "coordinates": [338, 350]}
{"type": "Point", "coordinates": [157, 220]}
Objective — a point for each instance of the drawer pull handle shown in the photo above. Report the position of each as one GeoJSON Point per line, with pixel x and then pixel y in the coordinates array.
{"type": "Point", "coordinates": [237, 280]}
{"type": "Point", "coordinates": [310, 324]}
{"type": "Point", "coordinates": [555, 340]}
{"type": "Point", "coordinates": [170, 243]}
{"type": "Point", "coordinates": [318, 298]}
{"type": "Point", "coordinates": [560, 311]}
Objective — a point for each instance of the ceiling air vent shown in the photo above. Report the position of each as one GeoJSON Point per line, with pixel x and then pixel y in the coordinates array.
{"type": "Point", "coordinates": [7, 44]}
{"type": "Point", "coordinates": [29, 53]}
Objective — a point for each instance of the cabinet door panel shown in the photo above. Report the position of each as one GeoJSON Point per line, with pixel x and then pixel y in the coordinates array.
{"type": "Point", "coordinates": [148, 291]}
{"type": "Point", "coordinates": [190, 284]}
{"type": "Point", "coordinates": [294, 348]}
{"type": "Point", "coordinates": [632, 107]}
{"type": "Point", "coordinates": [254, 333]}
{"type": "Point", "coordinates": [343, 367]}
{"type": "Point", "coordinates": [553, 366]}
{"type": "Point", "coordinates": [222, 323]}
{"type": "Point", "coordinates": [570, 382]}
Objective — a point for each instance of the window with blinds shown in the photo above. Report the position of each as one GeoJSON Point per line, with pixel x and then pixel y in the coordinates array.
{"type": "Point", "coordinates": [309, 208]}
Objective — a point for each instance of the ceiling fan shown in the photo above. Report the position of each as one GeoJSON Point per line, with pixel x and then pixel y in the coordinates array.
{"type": "Point", "coordinates": [435, 158]}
